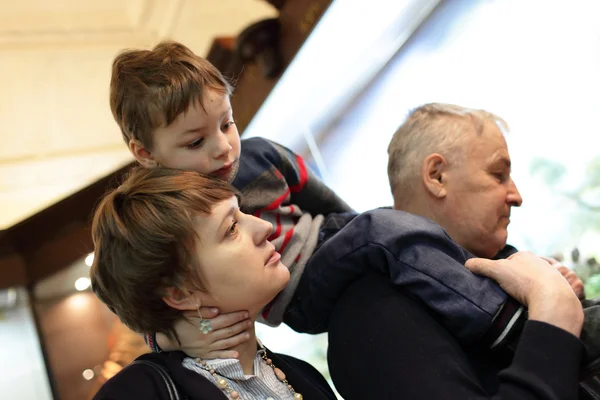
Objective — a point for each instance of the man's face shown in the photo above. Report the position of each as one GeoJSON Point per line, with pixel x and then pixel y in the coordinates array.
{"type": "Point", "coordinates": [202, 139]}
{"type": "Point", "coordinates": [480, 194]}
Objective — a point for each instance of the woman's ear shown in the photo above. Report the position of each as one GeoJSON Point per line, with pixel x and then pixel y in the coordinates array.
{"type": "Point", "coordinates": [434, 174]}
{"type": "Point", "coordinates": [181, 299]}
{"type": "Point", "coordinates": [142, 155]}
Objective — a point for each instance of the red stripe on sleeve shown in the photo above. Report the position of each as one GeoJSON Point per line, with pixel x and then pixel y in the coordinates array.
{"type": "Point", "coordinates": [286, 240]}
{"type": "Point", "coordinates": [267, 310]}
{"type": "Point", "coordinates": [303, 175]}
{"type": "Point", "coordinates": [278, 201]}
{"type": "Point", "coordinates": [277, 232]}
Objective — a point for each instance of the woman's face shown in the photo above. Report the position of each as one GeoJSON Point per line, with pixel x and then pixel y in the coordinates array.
{"type": "Point", "coordinates": [237, 265]}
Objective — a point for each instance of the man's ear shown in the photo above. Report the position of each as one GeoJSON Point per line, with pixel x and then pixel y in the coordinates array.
{"type": "Point", "coordinates": [140, 153]}
{"type": "Point", "coordinates": [433, 174]}
{"type": "Point", "coordinates": [181, 299]}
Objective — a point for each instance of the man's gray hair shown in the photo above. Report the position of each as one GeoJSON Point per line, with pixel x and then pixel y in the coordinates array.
{"type": "Point", "coordinates": [431, 128]}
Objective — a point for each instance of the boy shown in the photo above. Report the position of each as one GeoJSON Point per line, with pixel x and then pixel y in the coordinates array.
{"type": "Point", "coordinates": [173, 110]}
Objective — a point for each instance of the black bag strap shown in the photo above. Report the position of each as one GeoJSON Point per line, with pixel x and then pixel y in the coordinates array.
{"type": "Point", "coordinates": [165, 376]}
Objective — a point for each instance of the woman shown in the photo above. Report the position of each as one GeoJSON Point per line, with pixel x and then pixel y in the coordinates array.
{"type": "Point", "coordinates": [168, 242]}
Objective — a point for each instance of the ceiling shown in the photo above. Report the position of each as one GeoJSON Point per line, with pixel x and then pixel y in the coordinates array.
{"type": "Point", "coordinates": [56, 130]}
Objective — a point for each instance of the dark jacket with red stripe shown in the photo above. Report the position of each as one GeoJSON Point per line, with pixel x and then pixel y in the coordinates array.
{"type": "Point", "coordinates": [278, 187]}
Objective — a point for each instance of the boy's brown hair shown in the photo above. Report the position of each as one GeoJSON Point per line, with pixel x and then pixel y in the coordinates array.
{"type": "Point", "coordinates": [150, 88]}
{"type": "Point", "coordinates": [145, 241]}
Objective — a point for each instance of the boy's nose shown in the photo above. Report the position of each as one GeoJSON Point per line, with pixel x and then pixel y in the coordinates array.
{"type": "Point", "coordinates": [222, 147]}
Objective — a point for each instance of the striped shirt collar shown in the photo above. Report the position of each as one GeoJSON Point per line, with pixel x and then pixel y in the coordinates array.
{"type": "Point", "coordinates": [232, 368]}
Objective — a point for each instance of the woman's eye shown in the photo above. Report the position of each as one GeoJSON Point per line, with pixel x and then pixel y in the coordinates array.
{"type": "Point", "coordinates": [195, 144]}
{"type": "Point", "coordinates": [232, 229]}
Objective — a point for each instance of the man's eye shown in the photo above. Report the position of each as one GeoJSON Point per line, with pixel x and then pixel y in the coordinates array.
{"type": "Point", "coordinates": [500, 176]}
{"type": "Point", "coordinates": [195, 144]}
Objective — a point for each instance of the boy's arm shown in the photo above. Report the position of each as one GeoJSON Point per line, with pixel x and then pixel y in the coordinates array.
{"type": "Point", "coordinates": [228, 330]}
{"type": "Point", "coordinates": [417, 255]}
{"type": "Point", "coordinates": [316, 197]}
{"type": "Point", "coordinates": [307, 191]}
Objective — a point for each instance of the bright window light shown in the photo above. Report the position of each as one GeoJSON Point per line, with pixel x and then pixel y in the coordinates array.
{"type": "Point", "coordinates": [88, 374]}
{"type": "Point", "coordinates": [82, 284]}
{"type": "Point", "coordinates": [89, 260]}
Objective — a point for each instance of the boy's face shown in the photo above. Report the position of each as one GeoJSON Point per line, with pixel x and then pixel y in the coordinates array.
{"type": "Point", "coordinates": [203, 140]}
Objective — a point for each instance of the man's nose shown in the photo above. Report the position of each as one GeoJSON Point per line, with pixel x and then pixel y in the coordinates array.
{"type": "Point", "coordinates": [513, 196]}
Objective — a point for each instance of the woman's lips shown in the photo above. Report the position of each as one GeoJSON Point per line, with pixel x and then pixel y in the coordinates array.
{"type": "Point", "coordinates": [274, 259]}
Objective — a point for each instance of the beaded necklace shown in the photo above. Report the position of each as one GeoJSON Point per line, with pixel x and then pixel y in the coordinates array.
{"type": "Point", "coordinates": [223, 385]}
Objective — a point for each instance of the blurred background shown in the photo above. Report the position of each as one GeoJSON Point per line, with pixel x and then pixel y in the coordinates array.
{"type": "Point", "coordinates": [348, 73]}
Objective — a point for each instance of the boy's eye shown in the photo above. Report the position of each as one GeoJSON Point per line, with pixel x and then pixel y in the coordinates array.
{"type": "Point", "coordinates": [195, 144]}
{"type": "Point", "coordinates": [228, 125]}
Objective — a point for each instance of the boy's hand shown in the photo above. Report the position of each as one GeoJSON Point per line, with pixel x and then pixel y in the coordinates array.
{"type": "Point", "coordinates": [574, 281]}
{"type": "Point", "coordinates": [229, 330]}
{"type": "Point", "coordinates": [570, 275]}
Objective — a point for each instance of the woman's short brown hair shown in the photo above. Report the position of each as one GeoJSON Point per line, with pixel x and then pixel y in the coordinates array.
{"type": "Point", "coordinates": [144, 241]}
{"type": "Point", "coordinates": [150, 88]}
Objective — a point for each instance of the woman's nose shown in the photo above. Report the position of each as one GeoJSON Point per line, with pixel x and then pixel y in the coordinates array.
{"type": "Point", "coordinates": [262, 230]}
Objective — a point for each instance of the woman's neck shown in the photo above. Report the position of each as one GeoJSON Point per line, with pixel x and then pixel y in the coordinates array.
{"type": "Point", "coordinates": [247, 352]}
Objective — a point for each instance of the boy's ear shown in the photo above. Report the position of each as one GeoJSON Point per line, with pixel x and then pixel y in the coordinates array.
{"type": "Point", "coordinates": [180, 299]}
{"type": "Point", "coordinates": [140, 153]}
{"type": "Point", "coordinates": [433, 175]}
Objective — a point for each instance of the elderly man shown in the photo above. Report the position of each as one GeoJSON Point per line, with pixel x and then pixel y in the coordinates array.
{"type": "Point", "coordinates": [449, 171]}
